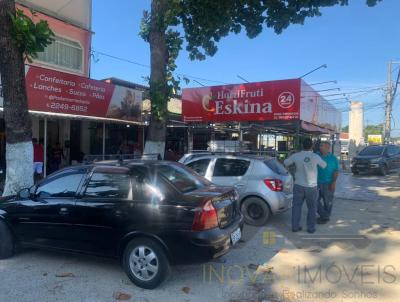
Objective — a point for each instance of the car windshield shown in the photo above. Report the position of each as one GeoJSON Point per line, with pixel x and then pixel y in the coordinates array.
{"type": "Point", "coordinates": [372, 150]}
{"type": "Point", "coordinates": [182, 178]}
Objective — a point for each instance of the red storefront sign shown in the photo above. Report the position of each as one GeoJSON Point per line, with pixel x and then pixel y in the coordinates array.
{"type": "Point", "coordinates": [261, 101]}
{"type": "Point", "coordinates": [59, 92]}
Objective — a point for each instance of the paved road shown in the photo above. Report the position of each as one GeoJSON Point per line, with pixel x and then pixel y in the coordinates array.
{"type": "Point", "coordinates": [364, 230]}
{"type": "Point", "coordinates": [32, 276]}
{"type": "Point", "coordinates": [368, 187]}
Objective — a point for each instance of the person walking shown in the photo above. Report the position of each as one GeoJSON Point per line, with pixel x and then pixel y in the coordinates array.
{"type": "Point", "coordinates": [38, 158]}
{"type": "Point", "coordinates": [305, 184]}
{"type": "Point", "coordinates": [326, 182]}
{"type": "Point", "coordinates": [57, 155]}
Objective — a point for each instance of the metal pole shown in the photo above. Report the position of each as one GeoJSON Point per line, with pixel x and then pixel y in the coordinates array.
{"type": "Point", "coordinates": [388, 108]}
{"type": "Point", "coordinates": [190, 138]}
{"type": "Point", "coordinates": [143, 139]}
{"type": "Point", "coordinates": [104, 140]}
{"type": "Point", "coordinates": [45, 148]}
{"type": "Point", "coordinates": [297, 141]}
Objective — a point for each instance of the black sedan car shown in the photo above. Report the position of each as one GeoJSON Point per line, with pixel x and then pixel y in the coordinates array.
{"type": "Point", "coordinates": [377, 158]}
{"type": "Point", "coordinates": [148, 214]}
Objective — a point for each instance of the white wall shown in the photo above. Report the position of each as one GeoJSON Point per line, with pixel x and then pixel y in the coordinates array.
{"type": "Point", "coordinates": [356, 127]}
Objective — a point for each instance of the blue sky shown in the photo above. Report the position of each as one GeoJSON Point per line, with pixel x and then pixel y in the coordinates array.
{"type": "Point", "coordinates": [356, 42]}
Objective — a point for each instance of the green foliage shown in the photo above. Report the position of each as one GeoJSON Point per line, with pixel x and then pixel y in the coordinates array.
{"type": "Point", "coordinates": [203, 23]}
{"type": "Point", "coordinates": [345, 129]}
{"type": "Point", "coordinates": [372, 129]}
{"type": "Point", "coordinates": [31, 38]}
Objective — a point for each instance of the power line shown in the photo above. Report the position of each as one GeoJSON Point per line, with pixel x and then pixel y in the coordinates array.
{"type": "Point", "coordinates": [148, 66]}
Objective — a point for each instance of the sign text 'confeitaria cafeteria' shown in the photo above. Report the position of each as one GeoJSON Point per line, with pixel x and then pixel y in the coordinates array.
{"type": "Point", "coordinates": [59, 92]}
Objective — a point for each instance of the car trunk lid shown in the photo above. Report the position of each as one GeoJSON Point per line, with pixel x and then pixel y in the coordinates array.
{"type": "Point", "coordinates": [223, 199]}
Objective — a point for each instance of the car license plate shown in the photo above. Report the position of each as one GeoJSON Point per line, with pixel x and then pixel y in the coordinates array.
{"type": "Point", "coordinates": [235, 236]}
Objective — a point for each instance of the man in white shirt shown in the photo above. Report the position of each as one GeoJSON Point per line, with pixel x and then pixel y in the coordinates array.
{"type": "Point", "coordinates": [305, 184]}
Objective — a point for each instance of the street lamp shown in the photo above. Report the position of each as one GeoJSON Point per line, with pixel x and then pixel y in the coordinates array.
{"type": "Point", "coordinates": [242, 78]}
{"type": "Point", "coordinates": [326, 82]}
{"type": "Point", "coordinates": [319, 67]}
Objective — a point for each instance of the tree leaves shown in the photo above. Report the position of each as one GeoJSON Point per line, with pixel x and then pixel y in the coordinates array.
{"type": "Point", "coordinates": [31, 38]}
{"type": "Point", "coordinates": [203, 23]}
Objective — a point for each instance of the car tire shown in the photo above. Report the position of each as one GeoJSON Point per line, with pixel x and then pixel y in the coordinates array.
{"type": "Point", "coordinates": [383, 170]}
{"type": "Point", "coordinates": [6, 241]}
{"type": "Point", "coordinates": [255, 211]}
{"type": "Point", "coordinates": [136, 263]}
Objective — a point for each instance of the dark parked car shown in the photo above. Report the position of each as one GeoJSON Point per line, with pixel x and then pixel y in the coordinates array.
{"type": "Point", "coordinates": [148, 214]}
{"type": "Point", "coordinates": [377, 158]}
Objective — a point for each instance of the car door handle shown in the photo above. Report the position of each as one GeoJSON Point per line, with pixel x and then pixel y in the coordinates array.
{"type": "Point", "coordinates": [239, 185]}
{"type": "Point", "coordinates": [63, 211]}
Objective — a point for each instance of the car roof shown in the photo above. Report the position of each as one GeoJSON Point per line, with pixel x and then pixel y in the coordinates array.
{"type": "Point", "coordinates": [231, 155]}
{"type": "Point", "coordinates": [131, 163]}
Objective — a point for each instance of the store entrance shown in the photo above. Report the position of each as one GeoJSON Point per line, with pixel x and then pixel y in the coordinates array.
{"type": "Point", "coordinates": [75, 141]}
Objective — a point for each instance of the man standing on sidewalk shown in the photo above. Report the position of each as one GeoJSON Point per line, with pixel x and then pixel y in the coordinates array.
{"type": "Point", "coordinates": [305, 184]}
{"type": "Point", "coordinates": [326, 182]}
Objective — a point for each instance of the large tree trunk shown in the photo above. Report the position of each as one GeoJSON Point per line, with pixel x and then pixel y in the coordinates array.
{"type": "Point", "coordinates": [19, 151]}
{"type": "Point", "coordinates": [155, 141]}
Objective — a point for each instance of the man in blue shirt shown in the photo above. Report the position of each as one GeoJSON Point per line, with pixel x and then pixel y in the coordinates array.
{"type": "Point", "coordinates": [326, 182]}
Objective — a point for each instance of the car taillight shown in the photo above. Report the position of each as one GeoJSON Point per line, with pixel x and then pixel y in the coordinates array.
{"type": "Point", "coordinates": [274, 184]}
{"type": "Point", "coordinates": [205, 218]}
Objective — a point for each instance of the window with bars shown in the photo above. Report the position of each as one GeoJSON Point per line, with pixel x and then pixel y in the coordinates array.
{"type": "Point", "coordinates": [64, 53]}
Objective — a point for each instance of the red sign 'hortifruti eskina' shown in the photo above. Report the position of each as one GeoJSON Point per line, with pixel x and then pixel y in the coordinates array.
{"type": "Point", "coordinates": [261, 101]}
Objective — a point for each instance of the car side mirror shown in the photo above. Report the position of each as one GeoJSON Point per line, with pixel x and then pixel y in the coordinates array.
{"type": "Point", "coordinates": [24, 193]}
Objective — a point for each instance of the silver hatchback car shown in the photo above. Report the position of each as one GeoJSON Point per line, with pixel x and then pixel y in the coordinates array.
{"type": "Point", "coordinates": [264, 185]}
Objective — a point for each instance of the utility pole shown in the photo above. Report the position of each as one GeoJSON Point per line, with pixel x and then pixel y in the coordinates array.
{"type": "Point", "coordinates": [389, 101]}
{"type": "Point", "coordinates": [388, 107]}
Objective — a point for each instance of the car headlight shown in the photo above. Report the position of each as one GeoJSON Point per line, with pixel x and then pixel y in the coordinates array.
{"type": "Point", "coordinates": [376, 160]}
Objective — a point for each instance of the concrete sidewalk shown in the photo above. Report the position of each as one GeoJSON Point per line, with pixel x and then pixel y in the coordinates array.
{"type": "Point", "coordinates": [352, 258]}
{"type": "Point", "coordinates": [368, 187]}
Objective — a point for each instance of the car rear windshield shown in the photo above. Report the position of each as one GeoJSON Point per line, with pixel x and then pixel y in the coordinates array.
{"type": "Point", "coordinates": [372, 150]}
{"type": "Point", "coordinates": [276, 166]}
{"type": "Point", "coordinates": [182, 178]}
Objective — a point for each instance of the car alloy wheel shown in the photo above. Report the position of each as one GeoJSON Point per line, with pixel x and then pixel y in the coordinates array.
{"type": "Point", "coordinates": [144, 263]}
{"type": "Point", "coordinates": [384, 170]}
{"type": "Point", "coordinates": [255, 211]}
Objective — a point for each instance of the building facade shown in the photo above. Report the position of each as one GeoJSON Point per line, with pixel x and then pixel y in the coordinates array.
{"type": "Point", "coordinates": [69, 110]}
